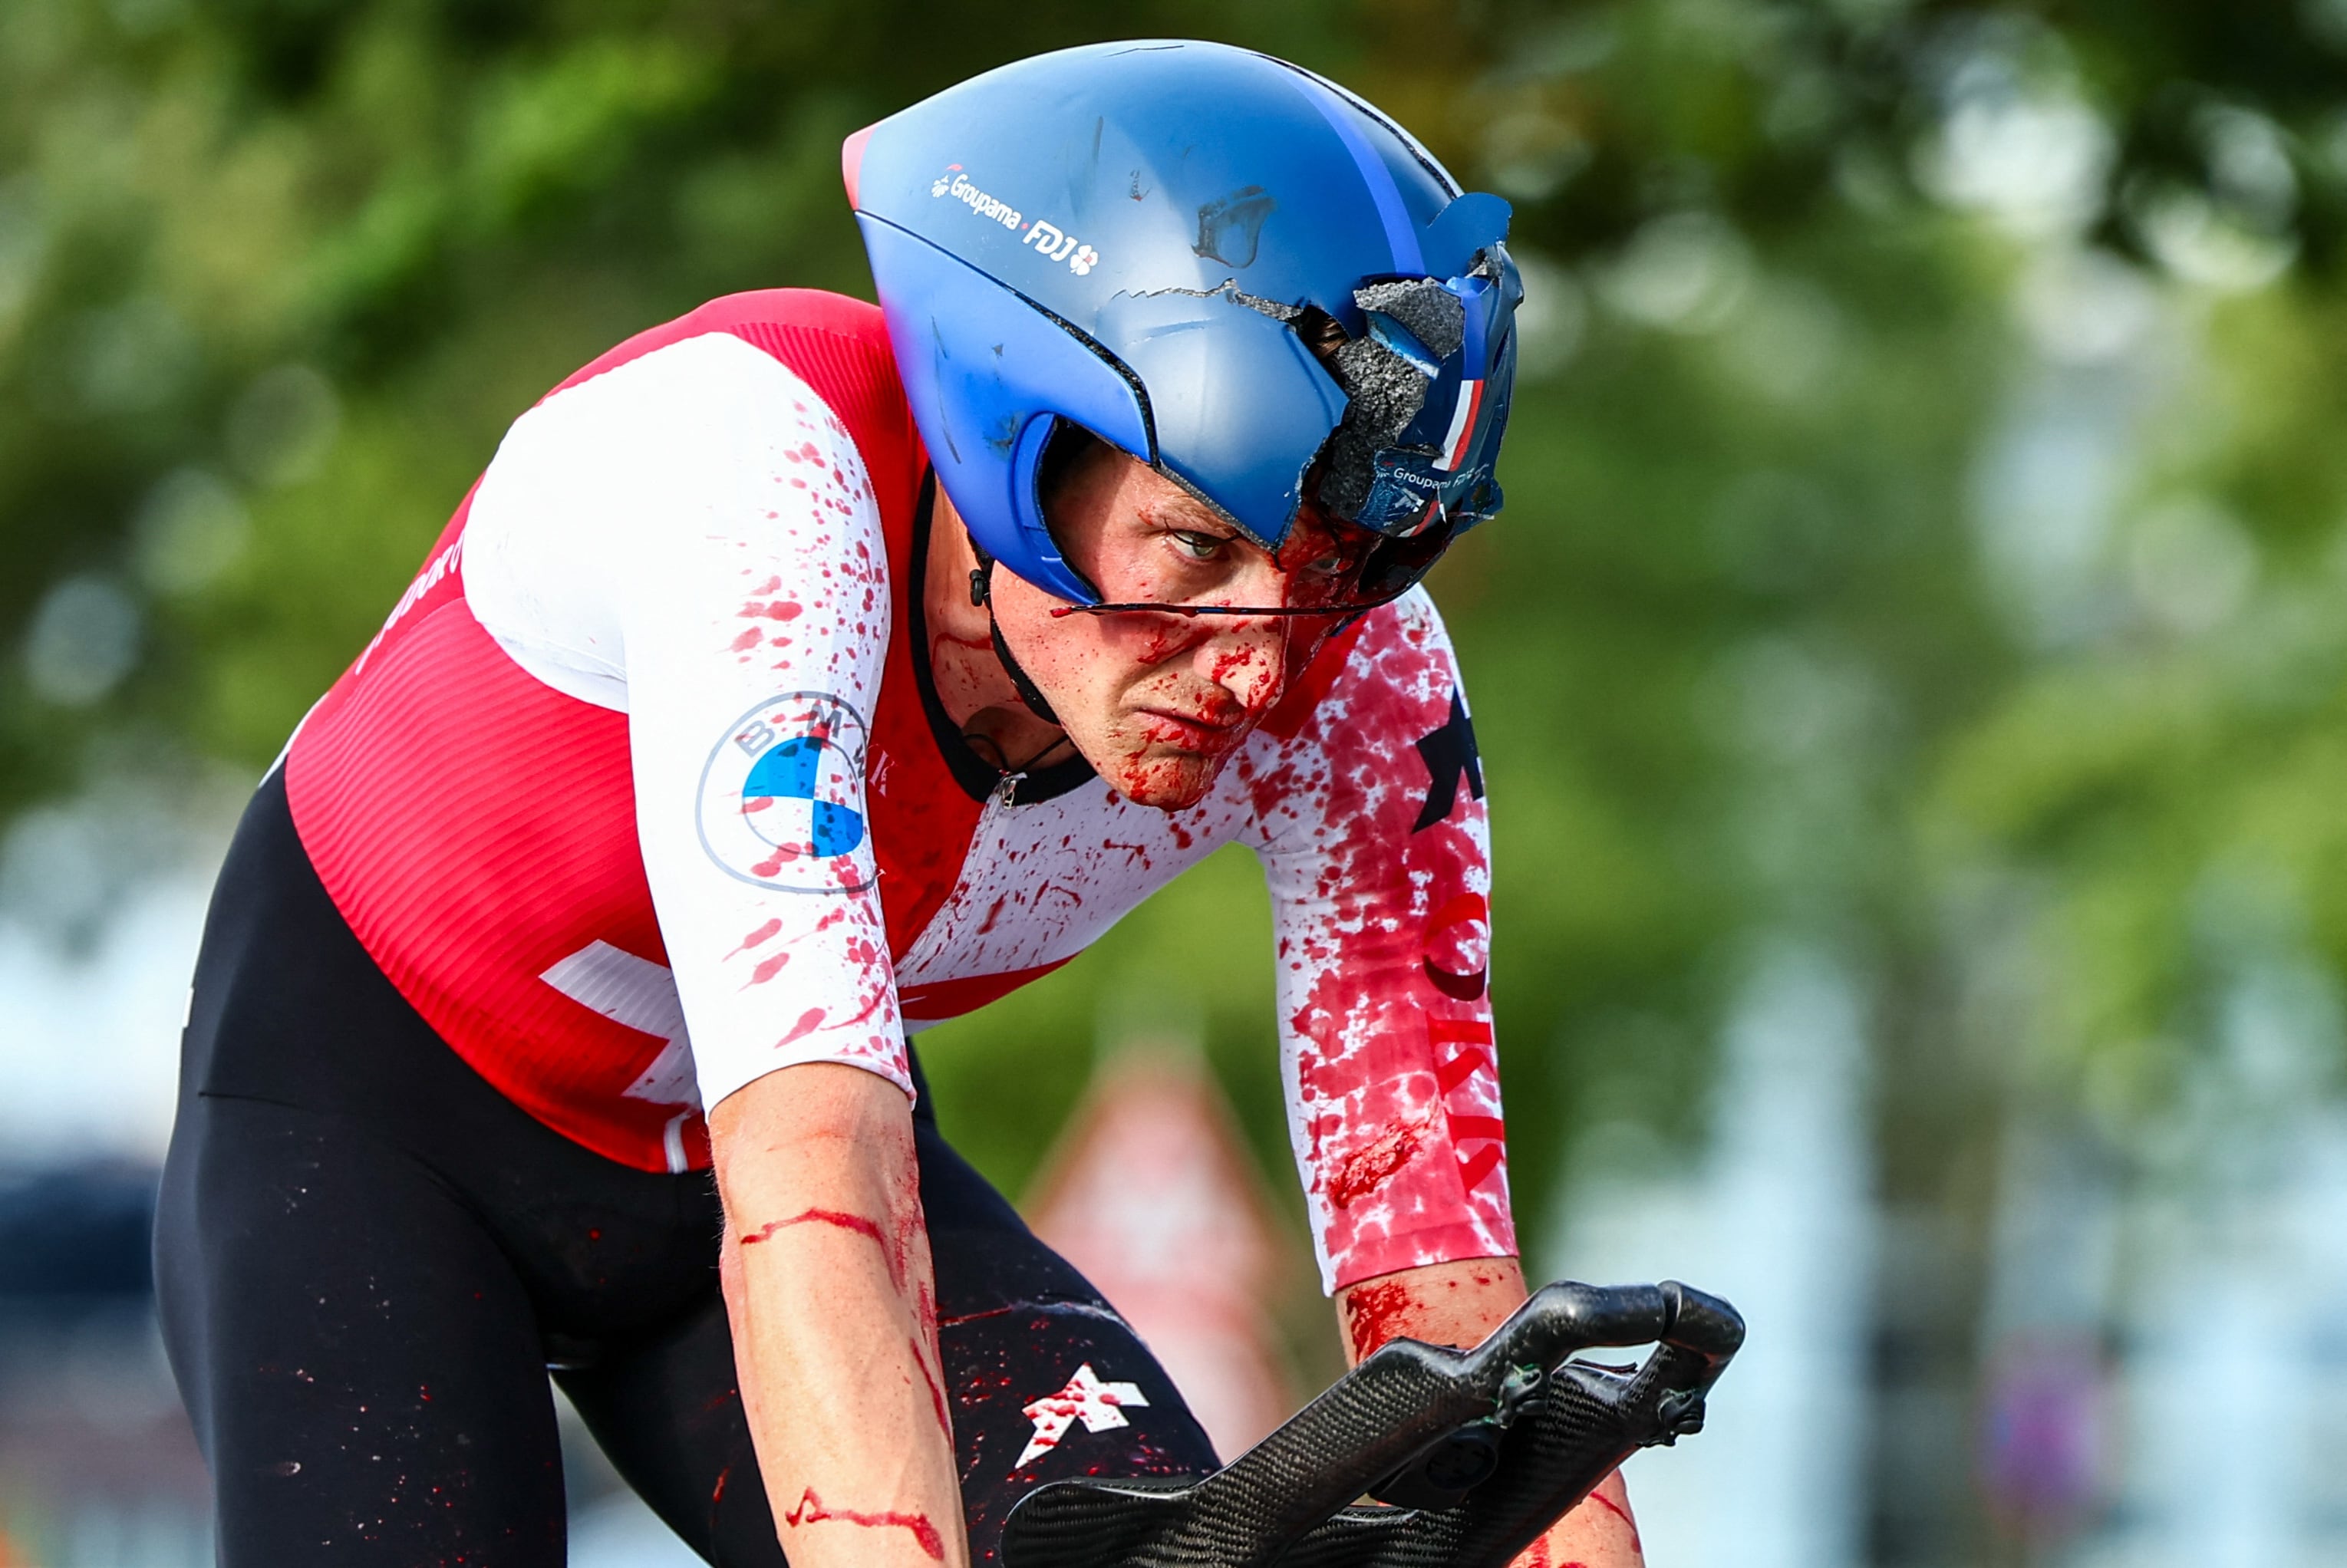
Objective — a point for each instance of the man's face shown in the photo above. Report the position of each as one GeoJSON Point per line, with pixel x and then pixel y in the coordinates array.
{"type": "Point", "coordinates": [1157, 701]}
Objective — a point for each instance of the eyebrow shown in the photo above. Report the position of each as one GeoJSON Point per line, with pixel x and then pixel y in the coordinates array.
{"type": "Point", "coordinates": [1190, 514]}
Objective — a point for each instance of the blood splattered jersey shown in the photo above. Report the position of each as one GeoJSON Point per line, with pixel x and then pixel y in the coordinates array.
{"type": "Point", "coordinates": [642, 794]}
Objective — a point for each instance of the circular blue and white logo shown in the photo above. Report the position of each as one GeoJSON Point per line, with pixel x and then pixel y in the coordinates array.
{"type": "Point", "coordinates": [782, 796]}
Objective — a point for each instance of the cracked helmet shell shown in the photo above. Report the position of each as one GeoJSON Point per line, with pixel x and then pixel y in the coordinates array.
{"type": "Point", "coordinates": [1111, 235]}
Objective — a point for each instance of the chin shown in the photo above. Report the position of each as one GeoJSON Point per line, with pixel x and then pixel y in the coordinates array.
{"type": "Point", "coordinates": [1167, 780]}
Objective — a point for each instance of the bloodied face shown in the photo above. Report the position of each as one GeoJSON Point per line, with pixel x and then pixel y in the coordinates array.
{"type": "Point", "coordinates": [1157, 700]}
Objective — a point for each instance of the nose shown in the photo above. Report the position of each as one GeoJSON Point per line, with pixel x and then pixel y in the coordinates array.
{"type": "Point", "coordinates": [1246, 658]}
{"type": "Point", "coordinates": [1249, 656]}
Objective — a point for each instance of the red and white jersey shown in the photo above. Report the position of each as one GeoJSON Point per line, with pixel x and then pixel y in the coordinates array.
{"type": "Point", "coordinates": [641, 793]}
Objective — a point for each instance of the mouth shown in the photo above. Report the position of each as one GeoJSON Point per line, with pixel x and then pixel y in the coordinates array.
{"type": "Point", "coordinates": [1192, 731]}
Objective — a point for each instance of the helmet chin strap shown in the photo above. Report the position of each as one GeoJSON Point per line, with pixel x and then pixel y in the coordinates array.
{"type": "Point", "coordinates": [981, 596]}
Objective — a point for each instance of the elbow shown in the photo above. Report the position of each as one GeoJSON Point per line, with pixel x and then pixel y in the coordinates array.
{"type": "Point", "coordinates": [810, 1128]}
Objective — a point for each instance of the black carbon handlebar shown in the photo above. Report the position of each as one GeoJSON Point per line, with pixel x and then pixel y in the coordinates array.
{"type": "Point", "coordinates": [1480, 1451]}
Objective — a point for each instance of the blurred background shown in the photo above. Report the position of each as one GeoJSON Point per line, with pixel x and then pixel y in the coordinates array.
{"type": "Point", "coordinates": [1912, 677]}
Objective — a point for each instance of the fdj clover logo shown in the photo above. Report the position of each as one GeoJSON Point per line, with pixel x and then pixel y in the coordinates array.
{"type": "Point", "coordinates": [1061, 247]}
{"type": "Point", "coordinates": [1048, 239]}
{"type": "Point", "coordinates": [781, 797]}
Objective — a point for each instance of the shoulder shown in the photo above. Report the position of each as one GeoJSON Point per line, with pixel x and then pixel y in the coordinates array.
{"type": "Point", "coordinates": [787, 366]}
{"type": "Point", "coordinates": [702, 415]}
{"type": "Point", "coordinates": [739, 353]}
{"type": "Point", "coordinates": [796, 326]}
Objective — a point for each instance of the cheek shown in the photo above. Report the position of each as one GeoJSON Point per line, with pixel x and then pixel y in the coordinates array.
{"type": "Point", "coordinates": [1106, 653]}
{"type": "Point", "coordinates": [1077, 660]}
{"type": "Point", "coordinates": [1066, 653]}
{"type": "Point", "coordinates": [1139, 567]}
{"type": "Point", "coordinates": [1148, 640]}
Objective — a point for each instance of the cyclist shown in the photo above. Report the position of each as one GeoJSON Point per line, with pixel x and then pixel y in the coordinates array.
{"type": "Point", "coordinates": [800, 673]}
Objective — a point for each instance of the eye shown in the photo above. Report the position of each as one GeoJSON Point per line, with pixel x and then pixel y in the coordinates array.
{"type": "Point", "coordinates": [1196, 546]}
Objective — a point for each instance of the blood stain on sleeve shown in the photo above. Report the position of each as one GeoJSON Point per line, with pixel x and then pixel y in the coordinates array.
{"type": "Point", "coordinates": [763, 934]}
{"type": "Point", "coordinates": [767, 969]}
{"type": "Point", "coordinates": [809, 1021]}
{"type": "Point", "coordinates": [1368, 1168]}
{"type": "Point", "coordinates": [1377, 894]}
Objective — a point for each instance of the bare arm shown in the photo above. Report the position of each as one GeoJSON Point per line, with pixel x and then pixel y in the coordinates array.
{"type": "Point", "coordinates": [1459, 1304]}
{"type": "Point", "coordinates": [828, 1285]}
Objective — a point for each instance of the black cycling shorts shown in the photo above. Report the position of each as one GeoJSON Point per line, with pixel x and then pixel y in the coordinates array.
{"type": "Point", "coordinates": [368, 1259]}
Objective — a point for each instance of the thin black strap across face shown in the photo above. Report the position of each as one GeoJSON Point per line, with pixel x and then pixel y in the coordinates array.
{"type": "Point", "coordinates": [1332, 612]}
{"type": "Point", "coordinates": [982, 588]}
{"type": "Point", "coordinates": [1398, 564]}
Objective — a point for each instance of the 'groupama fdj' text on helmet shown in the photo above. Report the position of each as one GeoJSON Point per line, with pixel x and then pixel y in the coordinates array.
{"type": "Point", "coordinates": [1128, 237]}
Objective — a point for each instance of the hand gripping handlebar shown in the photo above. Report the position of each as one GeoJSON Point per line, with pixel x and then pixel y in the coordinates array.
{"type": "Point", "coordinates": [1480, 1451]}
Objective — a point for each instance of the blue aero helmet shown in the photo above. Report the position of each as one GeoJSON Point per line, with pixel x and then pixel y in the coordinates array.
{"type": "Point", "coordinates": [1134, 239]}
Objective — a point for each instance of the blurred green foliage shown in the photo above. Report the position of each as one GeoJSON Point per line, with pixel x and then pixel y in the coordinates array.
{"type": "Point", "coordinates": [1804, 617]}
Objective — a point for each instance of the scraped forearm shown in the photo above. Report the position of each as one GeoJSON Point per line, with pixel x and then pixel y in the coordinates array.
{"type": "Point", "coordinates": [828, 1285]}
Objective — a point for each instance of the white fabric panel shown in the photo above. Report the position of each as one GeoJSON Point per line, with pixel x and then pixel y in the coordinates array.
{"type": "Point", "coordinates": [691, 538]}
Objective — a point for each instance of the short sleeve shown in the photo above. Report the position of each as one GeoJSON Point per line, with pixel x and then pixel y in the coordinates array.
{"type": "Point", "coordinates": [719, 521]}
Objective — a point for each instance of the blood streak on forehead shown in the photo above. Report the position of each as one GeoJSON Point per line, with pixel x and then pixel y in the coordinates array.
{"type": "Point", "coordinates": [1314, 536]}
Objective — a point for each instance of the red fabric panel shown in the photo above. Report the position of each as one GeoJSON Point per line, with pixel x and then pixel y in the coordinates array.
{"type": "Point", "coordinates": [475, 827]}
{"type": "Point", "coordinates": [951, 999]}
